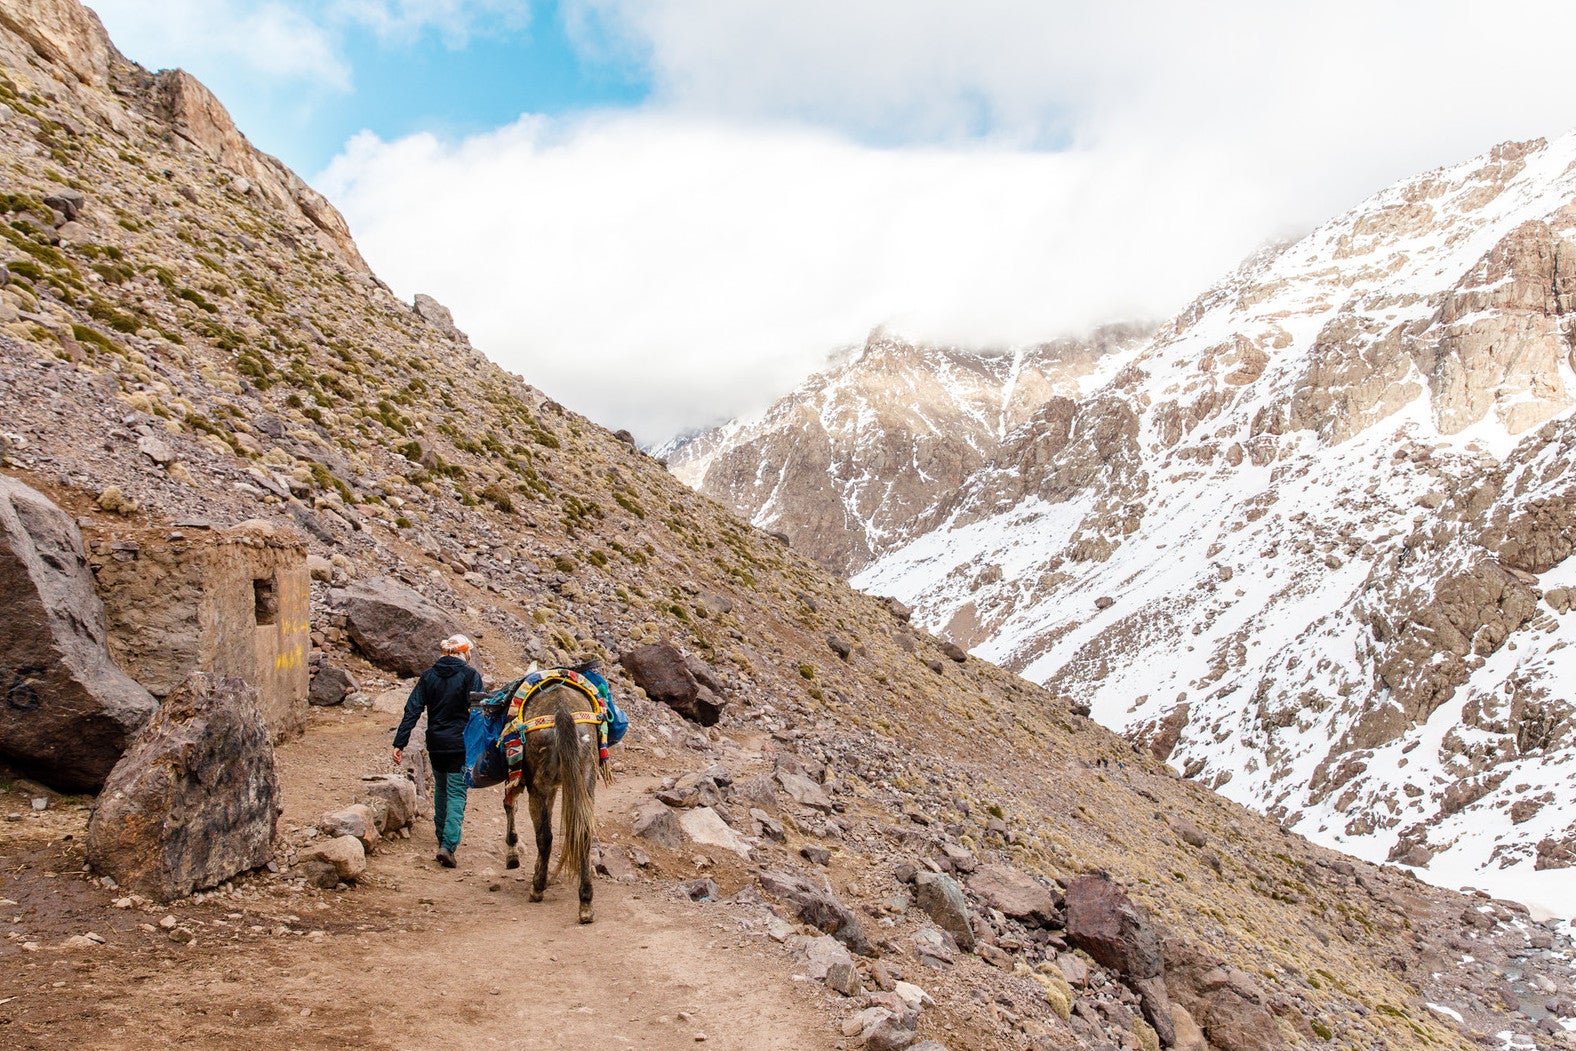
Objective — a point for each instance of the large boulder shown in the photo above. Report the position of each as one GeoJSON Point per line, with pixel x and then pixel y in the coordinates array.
{"type": "Point", "coordinates": [661, 670]}
{"type": "Point", "coordinates": [67, 712]}
{"type": "Point", "coordinates": [1113, 929]}
{"type": "Point", "coordinates": [1016, 895]}
{"type": "Point", "coordinates": [818, 907]}
{"type": "Point", "coordinates": [1228, 1005]}
{"type": "Point", "coordinates": [942, 900]}
{"type": "Point", "coordinates": [394, 627]}
{"type": "Point", "coordinates": [195, 800]}
{"type": "Point", "coordinates": [705, 826]}
{"type": "Point", "coordinates": [398, 796]}
{"type": "Point", "coordinates": [330, 683]}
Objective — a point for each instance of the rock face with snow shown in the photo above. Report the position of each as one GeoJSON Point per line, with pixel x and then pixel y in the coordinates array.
{"type": "Point", "coordinates": [1310, 542]}
{"type": "Point", "coordinates": [856, 460]}
{"type": "Point", "coordinates": [1298, 544]}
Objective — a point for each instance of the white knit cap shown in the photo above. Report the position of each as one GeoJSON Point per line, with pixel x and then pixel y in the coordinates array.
{"type": "Point", "coordinates": [456, 644]}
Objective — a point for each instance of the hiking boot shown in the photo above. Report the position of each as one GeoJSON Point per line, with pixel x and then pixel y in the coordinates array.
{"type": "Point", "coordinates": [446, 858]}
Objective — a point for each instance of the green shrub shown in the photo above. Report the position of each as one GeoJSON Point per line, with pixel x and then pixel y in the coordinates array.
{"type": "Point", "coordinates": [26, 268]}
{"type": "Point", "coordinates": [196, 299]}
{"type": "Point", "coordinates": [94, 338]}
{"type": "Point", "coordinates": [116, 319]}
{"type": "Point", "coordinates": [495, 494]}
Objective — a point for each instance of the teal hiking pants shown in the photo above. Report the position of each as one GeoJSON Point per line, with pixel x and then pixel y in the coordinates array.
{"type": "Point", "coordinates": [448, 808]}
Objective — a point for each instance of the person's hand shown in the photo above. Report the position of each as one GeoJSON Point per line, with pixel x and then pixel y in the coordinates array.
{"type": "Point", "coordinates": [399, 754]}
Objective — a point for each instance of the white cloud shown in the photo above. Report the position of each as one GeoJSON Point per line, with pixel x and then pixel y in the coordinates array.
{"type": "Point", "coordinates": [274, 39]}
{"type": "Point", "coordinates": [1283, 77]}
{"type": "Point", "coordinates": [656, 272]}
{"type": "Point", "coordinates": [1036, 167]}
{"type": "Point", "coordinates": [992, 172]}
{"type": "Point", "coordinates": [454, 20]}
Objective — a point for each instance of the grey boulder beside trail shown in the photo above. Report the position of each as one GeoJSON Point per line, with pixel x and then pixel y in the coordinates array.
{"type": "Point", "coordinates": [67, 712]}
{"type": "Point", "coordinates": [394, 627]}
{"type": "Point", "coordinates": [330, 684]}
{"type": "Point", "coordinates": [195, 800]}
{"type": "Point", "coordinates": [818, 907]}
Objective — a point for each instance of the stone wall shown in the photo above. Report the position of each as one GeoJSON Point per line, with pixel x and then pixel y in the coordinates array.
{"type": "Point", "coordinates": [230, 602]}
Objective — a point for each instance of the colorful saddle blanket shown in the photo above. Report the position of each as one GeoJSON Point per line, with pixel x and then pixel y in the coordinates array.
{"type": "Point", "coordinates": [588, 708]}
{"type": "Point", "coordinates": [495, 735]}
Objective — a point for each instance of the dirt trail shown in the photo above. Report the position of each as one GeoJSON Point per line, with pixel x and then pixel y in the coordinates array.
{"type": "Point", "coordinates": [415, 957]}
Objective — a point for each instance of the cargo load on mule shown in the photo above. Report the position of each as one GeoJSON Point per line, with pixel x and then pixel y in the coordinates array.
{"type": "Point", "coordinates": [495, 734]}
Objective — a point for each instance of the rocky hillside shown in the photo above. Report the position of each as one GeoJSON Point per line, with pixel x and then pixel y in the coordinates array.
{"type": "Point", "coordinates": [857, 461]}
{"type": "Point", "coordinates": [188, 338]}
{"type": "Point", "coordinates": [1309, 543]}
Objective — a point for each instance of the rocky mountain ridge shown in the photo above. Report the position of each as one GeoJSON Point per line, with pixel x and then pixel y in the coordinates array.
{"type": "Point", "coordinates": [860, 458]}
{"type": "Point", "coordinates": [1307, 543]}
{"type": "Point", "coordinates": [179, 351]}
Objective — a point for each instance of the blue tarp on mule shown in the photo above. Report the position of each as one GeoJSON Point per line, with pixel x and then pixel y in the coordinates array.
{"type": "Point", "coordinates": [484, 762]}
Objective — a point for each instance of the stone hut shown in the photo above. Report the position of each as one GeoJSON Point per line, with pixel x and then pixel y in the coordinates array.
{"type": "Point", "coordinates": [230, 602]}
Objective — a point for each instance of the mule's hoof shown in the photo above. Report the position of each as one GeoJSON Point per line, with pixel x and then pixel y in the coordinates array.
{"type": "Point", "coordinates": [512, 863]}
{"type": "Point", "coordinates": [585, 914]}
{"type": "Point", "coordinates": [536, 895]}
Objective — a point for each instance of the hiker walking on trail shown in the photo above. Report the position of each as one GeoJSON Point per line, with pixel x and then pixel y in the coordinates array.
{"type": "Point", "coordinates": [444, 693]}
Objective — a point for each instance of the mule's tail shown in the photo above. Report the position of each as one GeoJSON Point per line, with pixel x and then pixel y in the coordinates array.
{"type": "Point", "coordinates": [575, 771]}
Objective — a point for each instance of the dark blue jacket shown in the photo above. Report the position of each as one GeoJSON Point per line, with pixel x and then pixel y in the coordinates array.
{"type": "Point", "coordinates": [444, 692]}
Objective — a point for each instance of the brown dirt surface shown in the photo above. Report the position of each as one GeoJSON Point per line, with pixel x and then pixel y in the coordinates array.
{"type": "Point", "coordinates": [414, 956]}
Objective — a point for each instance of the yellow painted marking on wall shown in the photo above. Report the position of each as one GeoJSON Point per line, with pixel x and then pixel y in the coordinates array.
{"type": "Point", "coordinates": [288, 660]}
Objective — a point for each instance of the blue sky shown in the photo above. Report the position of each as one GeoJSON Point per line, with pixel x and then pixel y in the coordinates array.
{"type": "Point", "coordinates": [666, 212]}
{"type": "Point", "coordinates": [401, 88]}
{"type": "Point", "coordinates": [454, 73]}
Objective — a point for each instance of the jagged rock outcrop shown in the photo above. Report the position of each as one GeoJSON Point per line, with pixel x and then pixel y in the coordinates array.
{"type": "Point", "coordinates": [69, 36]}
{"type": "Point", "coordinates": [439, 317]}
{"type": "Point", "coordinates": [200, 118]}
{"type": "Point", "coordinates": [1106, 924]}
{"type": "Point", "coordinates": [818, 907]}
{"type": "Point", "coordinates": [854, 462]}
{"type": "Point", "coordinates": [63, 33]}
{"type": "Point", "coordinates": [195, 800]}
{"type": "Point", "coordinates": [67, 712]}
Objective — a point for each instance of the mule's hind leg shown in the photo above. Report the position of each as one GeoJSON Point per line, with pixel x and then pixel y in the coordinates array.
{"type": "Point", "coordinates": [541, 804]}
{"type": "Point", "coordinates": [510, 795]}
{"type": "Point", "coordinates": [585, 887]}
{"type": "Point", "coordinates": [585, 860]}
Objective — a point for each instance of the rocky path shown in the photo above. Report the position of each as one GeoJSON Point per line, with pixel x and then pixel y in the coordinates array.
{"type": "Point", "coordinates": [414, 957]}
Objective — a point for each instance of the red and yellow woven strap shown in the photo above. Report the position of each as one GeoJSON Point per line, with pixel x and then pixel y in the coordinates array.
{"type": "Point", "coordinates": [545, 722]}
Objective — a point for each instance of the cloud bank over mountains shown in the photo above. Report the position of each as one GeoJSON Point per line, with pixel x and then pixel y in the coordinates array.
{"type": "Point", "coordinates": [996, 173]}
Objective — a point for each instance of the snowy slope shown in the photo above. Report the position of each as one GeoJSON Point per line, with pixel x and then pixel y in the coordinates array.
{"type": "Point", "coordinates": [1284, 545]}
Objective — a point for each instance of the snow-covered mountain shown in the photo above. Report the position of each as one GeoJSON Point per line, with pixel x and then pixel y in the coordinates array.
{"type": "Point", "coordinates": [1310, 541]}
{"type": "Point", "coordinates": [854, 462]}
